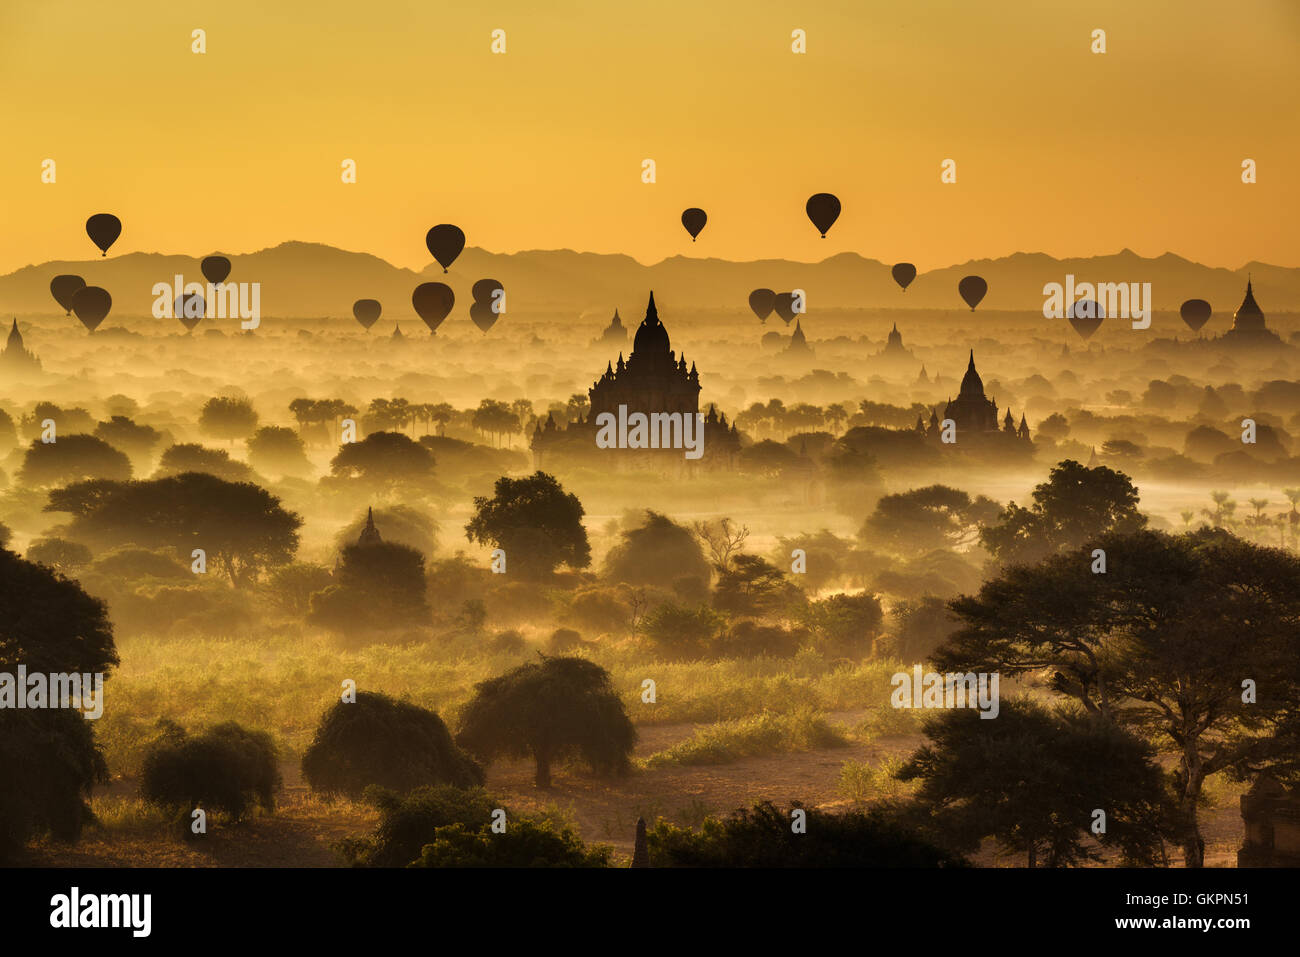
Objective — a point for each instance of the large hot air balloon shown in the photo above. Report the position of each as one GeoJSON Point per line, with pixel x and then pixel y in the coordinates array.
{"type": "Point", "coordinates": [103, 230]}
{"type": "Point", "coordinates": [823, 209]}
{"type": "Point", "coordinates": [762, 301]}
{"type": "Point", "coordinates": [481, 312]}
{"type": "Point", "coordinates": [445, 243]}
{"type": "Point", "coordinates": [367, 312]}
{"type": "Point", "coordinates": [903, 274]}
{"type": "Point", "coordinates": [784, 306]}
{"type": "Point", "coordinates": [91, 304]}
{"type": "Point", "coordinates": [972, 289]}
{"type": "Point", "coordinates": [694, 219]}
{"type": "Point", "coordinates": [432, 302]}
{"type": "Point", "coordinates": [63, 288]}
{"type": "Point", "coordinates": [1086, 316]}
{"type": "Point", "coordinates": [215, 269]}
{"type": "Point", "coordinates": [189, 309]}
{"type": "Point", "coordinates": [1196, 313]}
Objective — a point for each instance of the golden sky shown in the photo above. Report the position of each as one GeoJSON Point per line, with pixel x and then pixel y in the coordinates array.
{"type": "Point", "coordinates": [1058, 150]}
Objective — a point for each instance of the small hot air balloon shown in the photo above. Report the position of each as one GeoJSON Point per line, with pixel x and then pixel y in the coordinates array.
{"type": "Point", "coordinates": [215, 269]}
{"type": "Point", "coordinates": [103, 230]}
{"type": "Point", "coordinates": [784, 306]}
{"type": "Point", "coordinates": [432, 302]}
{"type": "Point", "coordinates": [1086, 316]}
{"type": "Point", "coordinates": [63, 288]}
{"type": "Point", "coordinates": [367, 312]}
{"type": "Point", "coordinates": [445, 243]}
{"type": "Point", "coordinates": [903, 274]}
{"type": "Point", "coordinates": [1196, 313]}
{"type": "Point", "coordinates": [823, 209]}
{"type": "Point", "coordinates": [694, 219]}
{"type": "Point", "coordinates": [762, 301]}
{"type": "Point", "coordinates": [481, 312]}
{"type": "Point", "coordinates": [189, 309]}
{"type": "Point", "coordinates": [972, 289]}
{"type": "Point", "coordinates": [91, 304]}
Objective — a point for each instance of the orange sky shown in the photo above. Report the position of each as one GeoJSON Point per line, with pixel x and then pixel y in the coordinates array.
{"type": "Point", "coordinates": [1058, 150]}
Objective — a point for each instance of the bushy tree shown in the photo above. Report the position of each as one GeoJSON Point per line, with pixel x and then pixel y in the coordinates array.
{"type": "Point", "coordinates": [754, 586]}
{"type": "Point", "coordinates": [225, 417]}
{"type": "Point", "coordinates": [657, 553]}
{"type": "Point", "coordinates": [922, 519]}
{"type": "Point", "coordinates": [560, 708]}
{"type": "Point", "coordinates": [525, 843]}
{"type": "Point", "coordinates": [377, 586]}
{"type": "Point", "coordinates": [192, 457]}
{"type": "Point", "coordinates": [845, 625]}
{"type": "Point", "coordinates": [382, 460]}
{"type": "Point", "coordinates": [72, 458]}
{"type": "Point", "coordinates": [137, 441]}
{"type": "Point", "coordinates": [226, 768]}
{"type": "Point", "coordinates": [275, 450]}
{"type": "Point", "coordinates": [379, 740]}
{"type": "Point", "coordinates": [684, 632]}
{"type": "Point", "coordinates": [58, 554]}
{"type": "Point", "coordinates": [536, 522]}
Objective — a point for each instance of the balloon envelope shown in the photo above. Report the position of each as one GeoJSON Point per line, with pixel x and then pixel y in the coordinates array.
{"type": "Point", "coordinates": [903, 274]}
{"type": "Point", "coordinates": [91, 304]}
{"type": "Point", "coordinates": [189, 309]}
{"type": "Point", "coordinates": [694, 219]}
{"type": "Point", "coordinates": [1196, 313]}
{"type": "Point", "coordinates": [103, 230]}
{"type": "Point", "coordinates": [63, 288]}
{"type": "Point", "coordinates": [445, 243]}
{"type": "Point", "coordinates": [1086, 316]}
{"type": "Point", "coordinates": [432, 302]}
{"type": "Point", "coordinates": [823, 209]}
{"type": "Point", "coordinates": [483, 316]}
{"type": "Point", "coordinates": [762, 301]}
{"type": "Point", "coordinates": [367, 312]}
{"type": "Point", "coordinates": [784, 306]}
{"type": "Point", "coordinates": [215, 269]}
{"type": "Point", "coordinates": [972, 289]}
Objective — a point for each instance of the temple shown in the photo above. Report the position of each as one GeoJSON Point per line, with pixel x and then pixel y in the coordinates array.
{"type": "Point", "coordinates": [973, 413]}
{"type": "Point", "coordinates": [1248, 324]}
{"type": "Point", "coordinates": [652, 379]}
{"type": "Point", "coordinates": [16, 357]}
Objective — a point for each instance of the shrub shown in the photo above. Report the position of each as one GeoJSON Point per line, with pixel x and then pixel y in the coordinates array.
{"type": "Point", "coordinates": [756, 735]}
{"type": "Point", "coordinates": [563, 640]}
{"type": "Point", "coordinates": [509, 642]}
{"type": "Point", "coordinates": [227, 768]}
{"type": "Point", "coordinates": [525, 843]}
{"type": "Point", "coordinates": [409, 821]}
{"type": "Point", "coordinates": [380, 740]}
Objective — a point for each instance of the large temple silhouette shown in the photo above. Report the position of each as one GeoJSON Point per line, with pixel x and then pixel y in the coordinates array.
{"type": "Point", "coordinates": [1248, 324]}
{"type": "Point", "coordinates": [16, 357]}
{"type": "Point", "coordinates": [653, 378]}
{"type": "Point", "coordinates": [974, 414]}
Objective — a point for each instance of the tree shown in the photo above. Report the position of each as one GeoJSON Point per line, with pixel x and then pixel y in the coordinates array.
{"type": "Point", "coordinates": [1163, 641]}
{"type": "Point", "coordinates": [379, 740]}
{"type": "Point", "coordinates": [50, 625]}
{"type": "Point", "coordinates": [753, 586]}
{"type": "Point", "coordinates": [657, 552]}
{"type": "Point", "coordinates": [377, 586]}
{"type": "Point", "coordinates": [723, 538]}
{"type": "Point", "coordinates": [241, 527]}
{"type": "Point", "coordinates": [526, 843]}
{"type": "Point", "coordinates": [1032, 778]}
{"type": "Point", "coordinates": [561, 708]}
{"type": "Point", "coordinates": [227, 768]}
{"type": "Point", "coordinates": [72, 458]}
{"type": "Point", "coordinates": [224, 417]}
{"type": "Point", "coordinates": [767, 458]}
{"type": "Point", "coordinates": [276, 450]}
{"type": "Point", "coordinates": [382, 460]}
{"type": "Point", "coordinates": [137, 441]}
{"type": "Point", "coordinates": [495, 418]}
{"type": "Point", "coordinates": [1074, 505]}
{"type": "Point", "coordinates": [684, 632]}
{"type": "Point", "coordinates": [58, 554]}
{"type": "Point", "coordinates": [922, 519]}
{"type": "Point", "coordinates": [846, 625]}
{"type": "Point", "coordinates": [190, 457]}
{"type": "Point", "coordinates": [536, 522]}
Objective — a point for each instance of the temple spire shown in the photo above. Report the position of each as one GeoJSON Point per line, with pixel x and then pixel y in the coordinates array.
{"type": "Point", "coordinates": [650, 311]}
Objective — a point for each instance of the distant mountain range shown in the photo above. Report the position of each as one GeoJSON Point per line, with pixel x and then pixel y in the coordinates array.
{"type": "Point", "coordinates": [310, 280]}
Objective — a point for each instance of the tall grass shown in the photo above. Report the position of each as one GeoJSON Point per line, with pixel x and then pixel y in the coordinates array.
{"type": "Point", "coordinates": [761, 734]}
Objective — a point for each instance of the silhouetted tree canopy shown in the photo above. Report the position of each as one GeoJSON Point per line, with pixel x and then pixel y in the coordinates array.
{"type": "Point", "coordinates": [375, 587]}
{"type": "Point", "coordinates": [383, 459]}
{"type": "Point", "coordinates": [657, 553]}
{"type": "Point", "coordinates": [224, 417]}
{"type": "Point", "coordinates": [276, 450]}
{"type": "Point", "coordinates": [226, 768]}
{"type": "Point", "coordinates": [191, 457]}
{"type": "Point", "coordinates": [72, 458]}
{"type": "Point", "coordinates": [560, 708]}
{"type": "Point", "coordinates": [536, 522]}
{"type": "Point", "coordinates": [927, 518]}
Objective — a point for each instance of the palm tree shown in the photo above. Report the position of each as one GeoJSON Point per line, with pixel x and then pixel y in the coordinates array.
{"type": "Point", "coordinates": [1187, 515]}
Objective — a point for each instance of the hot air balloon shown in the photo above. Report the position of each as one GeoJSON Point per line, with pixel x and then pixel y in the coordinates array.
{"type": "Point", "coordinates": [63, 288]}
{"type": "Point", "coordinates": [91, 304]}
{"type": "Point", "coordinates": [445, 243]}
{"type": "Point", "coordinates": [1086, 316]}
{"type": "Point", "coordinates": [215, 269]}
{"type": "Point", "coordinates": [823, 209]}
{"type": "Point", "coordinates": [972, 289]}
{"type": "Point", "coordinates": [762, 301]}
{"type": "Point", "coordinates": [367, 312]}
{"type": "Point", "coordinates": [103, 230]}
{"type": "Point", "coordinates": [784, 306]}
{"type": "Point", "coordinates": [1196, 313]}
{"type": "Point", "coordinates": [432, 302]}
{"type": "Point", "coordinates": [485, 296]}
{"type": "Point", "coordinates": [694, 219]}
{"type": "Point", "coordinates": [903, 274]}
{"type": "Point", "coordinates": [189, 309]}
